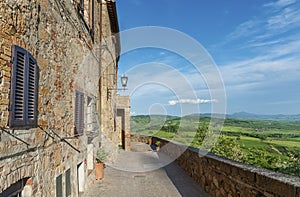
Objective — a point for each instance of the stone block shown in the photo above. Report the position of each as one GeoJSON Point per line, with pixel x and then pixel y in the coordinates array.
{"type": "Point", "coordinates": [246, 175]}
{"type": "Point", "coordinates": [57, 157]}
{"type": "Point", "coordinates": [7, 51]}
{"type": "Point", "coordinates": [274, 186]}
{"type": "Point", "coordinates": [5, 57]}
{"type": "Point", "coordinates": [42, 63]}
{"type": "Point", "coordinates": [216, 181]}
{"type": "Point", "coordinates": [39, 136]}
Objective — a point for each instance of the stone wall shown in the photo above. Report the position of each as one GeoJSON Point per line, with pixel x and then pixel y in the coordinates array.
{"type": "Point", "coordinates": [108, 81]}
{"type": "Point", "coordinates": [69, 58]}
{"type": "Point", "coordinates": [123, 111]}
{"type": "Point", "coordinates": [223, 177]}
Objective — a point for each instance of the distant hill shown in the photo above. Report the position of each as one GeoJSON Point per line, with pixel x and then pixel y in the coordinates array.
{"type": "Point", "coordinates": [238, 115]}
{"type": "Point", "coordinates": [149, 122]}
{"type": "Point", "coordinates": [276, 117]}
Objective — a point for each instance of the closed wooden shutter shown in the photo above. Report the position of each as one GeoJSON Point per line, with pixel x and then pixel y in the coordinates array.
{"type": "Point", "coordinates": [18, 89]}
{"type": "Point", "coordinates": [24, 80]}
{"type": "Point", "coordinates": [32, 91]}
{"type": "Point", "coordinates": [86, 9]}
{"type": "Point", "coordinates": [59, 186]}
{"type": "Point", "coordinates": [79, 112]}
{"type": "Point", "coordinates": [68, 183]}
{"type": "Point", "coordinates": [92, 23]}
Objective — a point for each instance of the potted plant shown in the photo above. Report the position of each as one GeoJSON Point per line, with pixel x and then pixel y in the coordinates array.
{"type": "Point", "coordinates": [101, 157]}
{"type": "Point", "coordinates": [157, 143]}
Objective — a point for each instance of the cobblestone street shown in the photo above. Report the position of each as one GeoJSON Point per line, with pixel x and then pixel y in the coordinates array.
{"type": "Point", "coordinates": [141, 173]}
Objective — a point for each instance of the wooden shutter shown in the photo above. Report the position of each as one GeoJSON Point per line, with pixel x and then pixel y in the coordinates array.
{"type": "Point", "coordinates": [68, 183]}
{"type": "Point", "coordinates": [79, 112]}
{"type": "Point", "coordinates": [59, 186]}
{"type": "Point", "coordinates": [92, 23]}
{"type": "Point", "coordinates": [24, 83]}
{"type": "Point", "coordinates": [32, 91]}
{"type": "Point", "coordinates": [17, 117]}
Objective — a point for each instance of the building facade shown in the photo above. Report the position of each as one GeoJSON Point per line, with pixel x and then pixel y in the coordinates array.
{"type": "Point", "coordinates": [58, 67]}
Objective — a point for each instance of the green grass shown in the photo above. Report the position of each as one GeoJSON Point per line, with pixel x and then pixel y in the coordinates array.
{"type": "Point", "coordinates": [285, 143]}
{"type": "Point", "coordinates": [249, 142]}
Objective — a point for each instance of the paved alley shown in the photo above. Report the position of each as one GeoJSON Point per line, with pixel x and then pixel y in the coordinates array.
{"type": "Point", "coordinates": [143, 172]}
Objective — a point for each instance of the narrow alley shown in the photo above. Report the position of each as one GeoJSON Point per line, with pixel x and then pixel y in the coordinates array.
{"type": "Point", "coordinates": [141, 172]}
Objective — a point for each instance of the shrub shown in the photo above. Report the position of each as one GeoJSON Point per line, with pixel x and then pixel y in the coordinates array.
{"type": "Point", "coordinates": [101, 156]}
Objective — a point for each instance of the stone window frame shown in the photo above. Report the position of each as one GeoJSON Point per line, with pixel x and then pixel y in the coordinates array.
{"type": "Point", "coordinates": [24, 89]}
{"type": "Point", "coordinates": [79, 113]}
{"type": "Point", "coordinates": [86, 11]}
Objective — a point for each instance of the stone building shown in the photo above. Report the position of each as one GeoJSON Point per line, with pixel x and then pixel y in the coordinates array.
{"type": "Point", "coordinates": [58, 67]}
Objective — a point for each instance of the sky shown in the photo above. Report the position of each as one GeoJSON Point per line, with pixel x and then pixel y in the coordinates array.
{"type": "Point", "coordinates": [254, 45]}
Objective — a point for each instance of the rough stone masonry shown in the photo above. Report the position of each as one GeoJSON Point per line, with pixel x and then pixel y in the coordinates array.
{"type": "Point", "coordinates": [66, 39]}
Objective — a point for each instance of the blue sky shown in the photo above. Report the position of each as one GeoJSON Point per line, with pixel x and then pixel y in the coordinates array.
{"type": "Point", "coordinates": [255, 45]}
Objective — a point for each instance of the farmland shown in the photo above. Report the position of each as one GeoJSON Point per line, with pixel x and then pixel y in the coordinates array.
{"type": "Point", "coordinates": [270, 144]}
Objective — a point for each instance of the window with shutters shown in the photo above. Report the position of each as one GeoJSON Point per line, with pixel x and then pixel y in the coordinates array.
{"type": "Point", "coordinates": [24, 85]}
{"type": "Point", "coordinates": [86, 12]}
{"type": "Point", "coordinates": [79, 112]}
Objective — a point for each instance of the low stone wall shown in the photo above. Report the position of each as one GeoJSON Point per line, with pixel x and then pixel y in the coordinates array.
{"type": "Point", "coordinates": [223, 177]}
{"type": "Point", "coordinates": [140, 138]}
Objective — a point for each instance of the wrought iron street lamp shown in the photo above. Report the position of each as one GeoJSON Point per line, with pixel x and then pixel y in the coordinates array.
{"type": "Point", "coordinates": [124, 80]}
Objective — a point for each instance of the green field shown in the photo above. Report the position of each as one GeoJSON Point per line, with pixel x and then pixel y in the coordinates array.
{"type": "Point", "coordinates": [265, 143]}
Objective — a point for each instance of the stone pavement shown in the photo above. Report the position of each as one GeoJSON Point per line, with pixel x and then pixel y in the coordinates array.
{"type": "Point", "coordinates": [143, 172]}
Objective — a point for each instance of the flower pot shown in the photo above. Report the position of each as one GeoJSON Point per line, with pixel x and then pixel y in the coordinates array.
{"type": "Point", "coordinates": [99, 169]}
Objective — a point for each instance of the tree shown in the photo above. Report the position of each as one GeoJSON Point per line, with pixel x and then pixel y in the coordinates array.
{"type": "Point", "coordinates": [201, 132]}
{"type": "Point", "coordinates": [229, 148]}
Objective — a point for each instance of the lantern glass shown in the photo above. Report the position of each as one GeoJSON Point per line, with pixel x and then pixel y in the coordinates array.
{"type": "Point", "coordinates": [124, 80]}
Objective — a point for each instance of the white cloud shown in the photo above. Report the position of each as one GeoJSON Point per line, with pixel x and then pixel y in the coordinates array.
{"type": "Point", "coordinates": [283, 17]}
{"type": "Point", "coordinates": [245, 29]}
{"type": "Point", "coordinates": [261, 71]}
{"type": "Point", "coordinates": [280, 3]}
{"type": "Point", "coordinates": [132, 113]}
{"type": "Point", "coordinates": [192, 101]}
{"type": "Point", "coordinates": [285, 20]}
{"type": "Point", "coordinates": [272, 44]}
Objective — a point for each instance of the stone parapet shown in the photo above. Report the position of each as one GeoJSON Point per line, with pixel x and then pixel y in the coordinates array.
{"type": "Point", "coordinates": [224, 177]}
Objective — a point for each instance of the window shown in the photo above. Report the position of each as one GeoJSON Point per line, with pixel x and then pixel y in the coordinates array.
{"type": "Point", "coordinates": [59, 186]}
{"type": "Point", "coordinates": [15, 190]}
{"type": "Point", "coordinates": [79, 112]}
{"type": "Point", "coordinates": [24, 84]}
{"type": "Point", "coordinates": [80, 177]}
{"type": "Point", "coordinates": [86, 12]}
